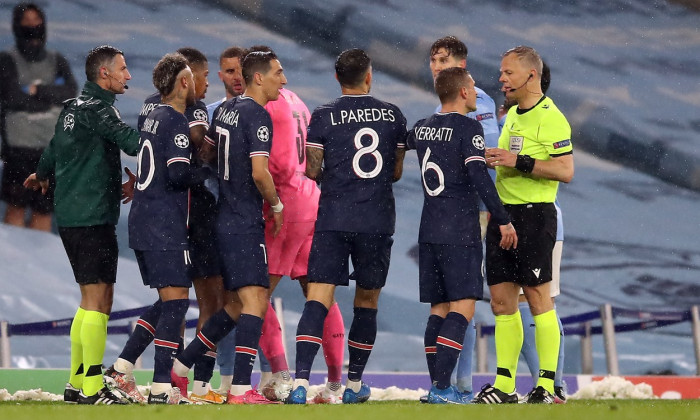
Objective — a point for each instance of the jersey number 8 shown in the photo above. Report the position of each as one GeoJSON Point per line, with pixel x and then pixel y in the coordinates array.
{"type": "Point", "coordinates": [367, 150]}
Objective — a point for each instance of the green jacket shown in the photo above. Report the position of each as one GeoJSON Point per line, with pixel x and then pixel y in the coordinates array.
{"type": "Point", "coordinates": [84, 157]}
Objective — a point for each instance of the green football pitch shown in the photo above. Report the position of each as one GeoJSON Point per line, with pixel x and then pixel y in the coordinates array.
{"type": "Point", "coordinates": [574, 410]}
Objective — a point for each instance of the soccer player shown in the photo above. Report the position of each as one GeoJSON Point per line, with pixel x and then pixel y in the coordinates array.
{"type": "Point", "coordinates": [204, 268]}
{"type": "Point", "coordinates": [288, 252]}
{"type": "Point", "coordinates": [450, 150]}
{"type": "Point", "coordinates": [361, 141]}
{"type": "Point", "coordinates": [160, 212]}
{"type": "Point", "coordinates": [230, 75]}
{"type": "Point", "coordinates": [534, 155]}
{"type": "Point", "coordinates": [445, 53]}
{"type": "Point", "coordinates": [242, 131]}
{"type": "Point", "coordinates": [84, 156]}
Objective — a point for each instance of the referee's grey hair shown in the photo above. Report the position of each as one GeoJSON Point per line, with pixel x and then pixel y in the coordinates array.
{"type": "Point", "coordinates": [528, 55]}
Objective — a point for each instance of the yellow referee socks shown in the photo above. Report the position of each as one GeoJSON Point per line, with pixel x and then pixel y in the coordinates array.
{"type": "Point", "coordinates": [547, 340]}
{"type": "Point", "coordinates": [93, 334]}
{"type": "Point", "coordinates": [509, 340]}
{"type": "Point", "coordinates": [76, 350]}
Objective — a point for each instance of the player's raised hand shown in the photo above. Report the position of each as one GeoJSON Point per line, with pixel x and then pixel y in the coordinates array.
{"type": "Point", "coordinates": [33, 183]}
{"type": "Point", "coordinates": [509, 239]}
{"type": "Point", "coordinates": [128, 186]}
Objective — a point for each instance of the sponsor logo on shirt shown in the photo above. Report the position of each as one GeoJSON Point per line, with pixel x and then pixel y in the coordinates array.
{"type": "Point", "coordinates": [484, 116]}
{"type": "Point", "coordinates": [563, 143]}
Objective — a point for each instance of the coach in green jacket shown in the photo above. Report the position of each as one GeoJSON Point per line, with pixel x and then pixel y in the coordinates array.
{"type": "Point", "coordinates": [84, 156]}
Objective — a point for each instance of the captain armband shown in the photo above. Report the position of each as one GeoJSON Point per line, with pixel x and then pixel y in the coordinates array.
{"type": "Point", "coordinates": [524, 163]}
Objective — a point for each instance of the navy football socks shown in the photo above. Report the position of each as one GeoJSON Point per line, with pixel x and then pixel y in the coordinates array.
{"type": "Point", "coordinates": [309, 337]}
{"type": "Point", "coordinates": [248, 333]}
{"type": "Point", "coordinates": [166, 337]}
{"type": "Point", "coordinates": [143, 334]}
{"type": "Point", "coordinates": [432, 329]}
{"type": "Point", "coordinates": [361, 336]}
{"type": "Point", "coordinates": [449, 345]}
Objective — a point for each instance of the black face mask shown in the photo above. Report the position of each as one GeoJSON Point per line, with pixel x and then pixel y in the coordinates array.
{"type": "Point", "coordinates": [30, 41]}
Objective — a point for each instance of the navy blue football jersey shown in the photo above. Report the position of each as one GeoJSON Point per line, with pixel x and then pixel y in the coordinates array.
{"type": "Point", "coordinates": [241, 129]}
{"type": "Point", "coordinates": [196, 114]}
{"type": "Point", "coordinates": [359, 136]}
{"type": "Point", "coordinates": [159, 212]}
{"type": "Point", "coordinates": [450, 150]}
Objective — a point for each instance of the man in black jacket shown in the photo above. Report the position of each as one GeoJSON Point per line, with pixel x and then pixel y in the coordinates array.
{"type": "Point", "coordinates": [34, 82]}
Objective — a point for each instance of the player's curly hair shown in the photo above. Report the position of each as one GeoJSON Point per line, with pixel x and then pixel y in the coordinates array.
{"type": "Point", "coordinates": [452, 45]}
{"type": "Point", "coordinates": [166, 71]}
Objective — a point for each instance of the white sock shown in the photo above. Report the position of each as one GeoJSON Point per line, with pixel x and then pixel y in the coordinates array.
{"type": "Point", "coordinates": [301, 382]}
{"type": "Point", "coordinates": [124, 366]}
{"type": "Point", "coordinates": [179, 368]}
{"type": "Point", "coordinates": [225, 383]}
{"type": "Point", "coordinates": [265, 378]}
{"type": "Point", "coordinates": [353, 385]}
{"type": "Point", "coordinates": [240, 389]}
{"type": "Point", "coordinates": [200, 387]}
{"type": "Point", "coordinates": [159, 388]}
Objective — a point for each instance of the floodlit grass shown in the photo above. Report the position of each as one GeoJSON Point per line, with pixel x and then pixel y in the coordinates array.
{"type": "Point", "coordinates": [390, 410]}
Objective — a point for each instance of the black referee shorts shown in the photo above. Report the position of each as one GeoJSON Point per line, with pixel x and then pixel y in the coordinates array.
{"type": "Point", "coordinates": [92, 252]}
{"type": "Point", "coordinates": [531, 263]}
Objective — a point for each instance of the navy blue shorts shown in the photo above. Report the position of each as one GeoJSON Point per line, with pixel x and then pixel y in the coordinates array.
{"type": "Point", "coordinates": [164, 268]}
{"type": "Point", "coordinates": [531, 263]}
{"type": "Point", "coordinates": [243, 261]}
{"type": "Point", "coordinates": [205, 257]}
{"type": "Point", "coordinates": [449, 272]}
{"type": "Point", "coordinates": [370, 255]}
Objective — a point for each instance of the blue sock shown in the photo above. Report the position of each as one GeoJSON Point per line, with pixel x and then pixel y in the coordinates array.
{"type": "Point", "coordinates": [212, 331]}
{"type": "Point", "coordinates": [143, 334]}
{"type": "Point", "coordinates": [248, 333]}
{"type": "Point", "coordinates": [449, 345]}
{"type": "Point", "coordinates": [529, 348]}
{"type": "Point", "coordinates": [559, 374]}
{"type": "Point", "coordinates": [264, 364]}
{"type": "Point", "coordinates": [361, 336]}
{"type": "Point", "coordinates": [166, 337]}
{"type": "Point", "coordinates": [432, 329]}
{"type": "Point", "coordinates": [309, 337]}
{"type": "Point", "coordinates": [466, 358]}
{"type": "Point", "coordinates": [226, 353]}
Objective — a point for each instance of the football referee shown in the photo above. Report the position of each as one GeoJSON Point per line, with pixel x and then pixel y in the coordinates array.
{"type": "Point", "coordinates": [534, 154]}
{"type": "Point", "coordinates": [84, 156]}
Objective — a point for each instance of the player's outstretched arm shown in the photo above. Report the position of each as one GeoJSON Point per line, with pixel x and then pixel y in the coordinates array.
{"type": "Point", "coordinates": [266, 186]}
{"type": "Point", "coordinates": [314, 159]}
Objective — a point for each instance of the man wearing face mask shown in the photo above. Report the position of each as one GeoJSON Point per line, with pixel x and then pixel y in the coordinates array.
{"type": "Point", "coordinates": [34, 82]}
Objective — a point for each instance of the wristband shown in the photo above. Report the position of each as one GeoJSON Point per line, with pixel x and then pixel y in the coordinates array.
{"type": "Point", "coordinates": [277, 208]}
{"type": "Point", "coordinates": [524, 163]}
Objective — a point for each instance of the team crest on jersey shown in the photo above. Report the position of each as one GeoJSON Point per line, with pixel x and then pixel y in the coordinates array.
{"type": "Point", "coordinates": [263, 133]}
{"type": "Point", "coordinates": [182, 141]}
{"type": "Point", "coordinates": [200, 115]}
{"type": "Point", "coordinates": [68, 122]}
{"type": "Point", "coordinates": [478, 142]}
{"type": "Point", "coordinates": [516, 144]}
